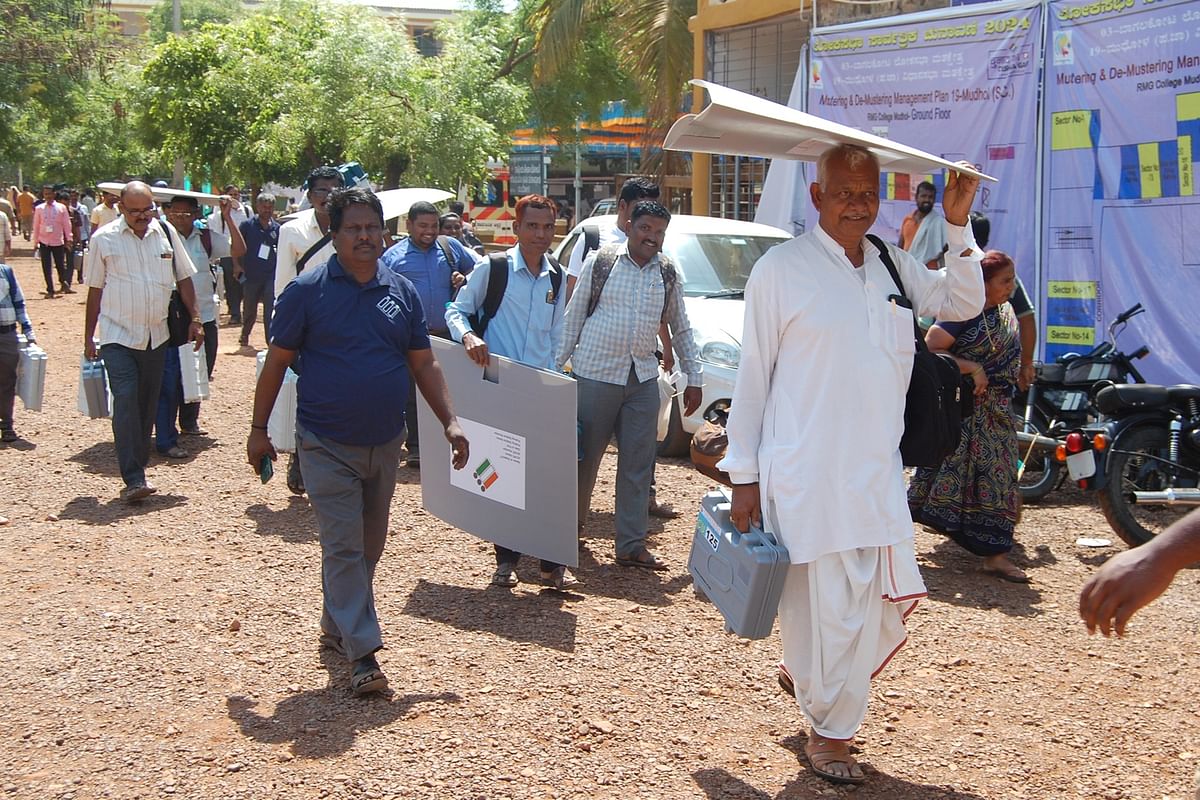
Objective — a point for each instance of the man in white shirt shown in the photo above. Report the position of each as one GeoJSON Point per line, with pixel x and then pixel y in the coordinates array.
{"type": "Point", "coordinates": [298, 237]}
{"type": "Point", "coordinates": [132, 267]}
{"type": "Point", "coordinates": [814, 435]}
{"type": "Point", "coordinates": [106, 211]}
{"type": "Point", "coordinates": [306, 242]}
{"type": "Point", "coordinates": [221, 229]}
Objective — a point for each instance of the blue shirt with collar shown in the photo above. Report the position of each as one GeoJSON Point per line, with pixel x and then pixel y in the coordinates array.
{"type": "Point", "coordinates": [528, 324]}
{"type": "Point", "coordinates": [259, 269]}
{"type": "Point", "coordinates": [429, 273]}
{"type": "Point", "coordinates": [354, 340]}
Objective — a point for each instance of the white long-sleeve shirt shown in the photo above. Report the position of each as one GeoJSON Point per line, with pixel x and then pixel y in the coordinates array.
{"type": "Point", "coordinates": [296, 236]}
{"type": "Point", "coordinates": [818, 407]}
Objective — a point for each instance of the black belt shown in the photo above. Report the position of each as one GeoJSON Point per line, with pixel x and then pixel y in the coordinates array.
{"type": "Point", "coordinates": [8, 328]}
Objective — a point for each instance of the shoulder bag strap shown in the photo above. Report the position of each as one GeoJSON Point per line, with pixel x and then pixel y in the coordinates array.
{"type": "Point", "coordinates": [312, 251]}
{"type": "Point", "coordinates": [886, 258]}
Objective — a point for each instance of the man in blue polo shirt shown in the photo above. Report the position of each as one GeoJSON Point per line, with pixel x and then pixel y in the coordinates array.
{"type": "Point", "coordinates": [361, 331]}
{"type": "Point", "coordinates": [526, 328]}
{"type": "Point", "coordinates": [437, 267]}
{"type": "Point", "coordinates": [261, 235]}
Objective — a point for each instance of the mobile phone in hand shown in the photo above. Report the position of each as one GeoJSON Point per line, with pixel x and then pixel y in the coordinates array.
{"type": "Point", "coordinates": [266, 469]}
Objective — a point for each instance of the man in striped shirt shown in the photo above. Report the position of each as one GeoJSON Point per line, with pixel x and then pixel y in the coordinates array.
{"type": "Point", "coordinates": [132, 267]}
{"type": "Point", "coordinates": [610, 335]}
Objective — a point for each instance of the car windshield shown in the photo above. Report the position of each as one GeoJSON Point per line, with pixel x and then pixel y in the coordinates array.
{"type": "Point", "coordinates": [717, 264]}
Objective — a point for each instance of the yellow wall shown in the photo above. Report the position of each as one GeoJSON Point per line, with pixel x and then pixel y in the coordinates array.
{"type": "Point", "coordinates": [730, 14]}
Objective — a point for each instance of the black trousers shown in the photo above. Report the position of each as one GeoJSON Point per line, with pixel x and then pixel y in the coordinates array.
{"type": "Point", "coordinates": [59, 253]}
{"type": "Point", "coordinates": [233, 290]}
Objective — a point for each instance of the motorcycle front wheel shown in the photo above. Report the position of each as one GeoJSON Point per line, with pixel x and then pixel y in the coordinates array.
{"type": "Point", "coordinates": [1041, 474]}
{"type": "Point", "coordinates": [1132, 469]}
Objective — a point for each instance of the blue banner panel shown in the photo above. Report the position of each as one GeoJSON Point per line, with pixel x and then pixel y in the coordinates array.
{"type": "Point", "coordinates": [960, 83]}
{"type": "Point", "coordinates": [1120, 207]}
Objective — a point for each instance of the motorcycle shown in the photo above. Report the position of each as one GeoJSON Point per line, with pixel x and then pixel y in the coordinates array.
{"type": "Point", "coordinates": [1060, 400]}
{"type": "Point", "coordinates": [1142, 457]}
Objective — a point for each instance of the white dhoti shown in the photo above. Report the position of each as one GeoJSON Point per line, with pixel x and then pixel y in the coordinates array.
{"type": "Point", "coordinates": [841, 618]}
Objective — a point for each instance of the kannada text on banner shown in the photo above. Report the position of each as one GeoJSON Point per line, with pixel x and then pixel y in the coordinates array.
{"type": "Point", "coordinates": [961, 84]}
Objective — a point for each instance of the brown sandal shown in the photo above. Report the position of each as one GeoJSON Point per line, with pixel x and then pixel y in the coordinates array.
{"type": "Point", "coordinates": [642, 558]}
{"type": "Point", "coordinates": [822, 752]}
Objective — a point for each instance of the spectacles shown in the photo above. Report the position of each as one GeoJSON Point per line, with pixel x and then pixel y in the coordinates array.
{"type": "Point", "coordinates": [320, 192]}
{"type": "Point", "coordinates": [141, 212]}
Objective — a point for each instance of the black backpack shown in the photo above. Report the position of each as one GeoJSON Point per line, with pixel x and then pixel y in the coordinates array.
{"type": "Point", "coordinates": [498, 282]}
{"type": "Point", "coordinates": [939, 396]}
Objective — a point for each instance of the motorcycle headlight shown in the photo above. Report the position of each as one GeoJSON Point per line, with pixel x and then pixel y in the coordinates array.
{"type": "Point", "coordinates": [724, 354]}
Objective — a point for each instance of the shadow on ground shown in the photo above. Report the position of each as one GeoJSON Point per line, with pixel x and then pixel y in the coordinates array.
{"type": "Point", "coordinates": [954, 576]}
{"type": "Point", "coordinates": [99, 459]}
{"type": "Point", "coordinates": [325, 722]}
{"type": "Point", "coordinates": [91, 511]}
{"type": "Point", "coordinates": [294, 524]}
{"type": "Point", "coordinates": [517, 616]}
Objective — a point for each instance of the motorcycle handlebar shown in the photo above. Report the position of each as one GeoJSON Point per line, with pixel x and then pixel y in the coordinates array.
{"type": "Point", "coordinates": [1130, 313]}
{"type": "Point", "coordinates": [1141, 352]}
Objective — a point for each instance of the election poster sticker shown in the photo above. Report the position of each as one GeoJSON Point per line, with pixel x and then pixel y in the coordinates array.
{"type": "Point", "coordinates": [496, 469]}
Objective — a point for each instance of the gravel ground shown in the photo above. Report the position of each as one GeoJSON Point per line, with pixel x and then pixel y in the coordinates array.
{"type": "Point", "coordinates": [170, 649]}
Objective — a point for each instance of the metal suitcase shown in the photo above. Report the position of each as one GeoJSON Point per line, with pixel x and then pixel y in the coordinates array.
{"type": "Point", "coordinates": [741, 573]}
{"type": "Point", "coordinates": [31, 375]}
{"type": "Point", "coordinates": [281, 425]}
{"type": "Point", "coordinates": [94, 398]}
{"type": "Point", "coordinates": [193, 369]}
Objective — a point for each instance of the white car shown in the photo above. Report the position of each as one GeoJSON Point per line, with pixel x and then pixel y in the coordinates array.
{"type": "Point", "coordinates": [714, 257]}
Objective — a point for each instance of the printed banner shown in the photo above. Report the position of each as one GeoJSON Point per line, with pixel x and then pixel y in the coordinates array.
{"type": "Point", "coordinates": [961, 83]}
{"type": "Point", "coordinates": [1121, 140]}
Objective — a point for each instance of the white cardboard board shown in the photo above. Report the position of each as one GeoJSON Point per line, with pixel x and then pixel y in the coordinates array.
{"type": "Point", "coordinates": [740, 124]}
{"type": "Point", "coordinates": [519, 487]}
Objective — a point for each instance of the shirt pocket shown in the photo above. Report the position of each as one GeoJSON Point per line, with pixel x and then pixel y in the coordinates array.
{"type": "Point", "coordinates": [903, 330]}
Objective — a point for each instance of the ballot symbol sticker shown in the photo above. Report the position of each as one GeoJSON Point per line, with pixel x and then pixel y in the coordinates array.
{"type": "Point", "coordinates": [497, 467]}
{"type": "Point", "coordinates": [486, 475]}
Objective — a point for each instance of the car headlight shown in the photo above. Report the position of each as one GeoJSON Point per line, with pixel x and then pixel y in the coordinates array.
{"type": "Point", "coordinates": [721, 353]}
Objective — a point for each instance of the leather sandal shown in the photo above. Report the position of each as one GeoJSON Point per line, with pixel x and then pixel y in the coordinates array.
{"type": "Point", "coordinates": [642, 558]}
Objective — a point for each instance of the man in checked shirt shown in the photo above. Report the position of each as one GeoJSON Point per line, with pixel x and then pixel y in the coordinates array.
{"type": "Point", "coordinates": [610, 335]}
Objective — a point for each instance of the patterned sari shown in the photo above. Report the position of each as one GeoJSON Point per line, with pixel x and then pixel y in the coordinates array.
{"type": "Point", "coordinates": [972, 497]}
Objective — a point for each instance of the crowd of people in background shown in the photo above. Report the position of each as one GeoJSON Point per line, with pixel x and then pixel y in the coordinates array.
{"type": "Point", "coordinates": [336, 292]}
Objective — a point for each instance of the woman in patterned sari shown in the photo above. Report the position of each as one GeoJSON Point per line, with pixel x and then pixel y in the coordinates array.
{"type": "Point", "coordinates": [972, 497]}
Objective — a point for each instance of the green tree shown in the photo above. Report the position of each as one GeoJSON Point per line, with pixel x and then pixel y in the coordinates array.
{"type": "Point", "coordinates": [649, 39]}
{"type": "Point", "coordinates": [194, 14]}
{"type": "Point", "coordinates": [47, 47]}
{"type": "Point", "coordinates": [302, 82]}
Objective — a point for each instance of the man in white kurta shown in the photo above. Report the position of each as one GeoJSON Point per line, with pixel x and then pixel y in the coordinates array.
{"type": "Point", "coordinates": [814, 434]}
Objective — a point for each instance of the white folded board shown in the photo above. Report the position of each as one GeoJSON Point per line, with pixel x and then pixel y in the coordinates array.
{"type": "Point", "coordinates": [164, 194]}
{"type": "Point", "coordinates": [395, 202]}
{"type": "Point", "coordinates": [518, 488]}
{"type": "Point", "coordinates": [740, 124]}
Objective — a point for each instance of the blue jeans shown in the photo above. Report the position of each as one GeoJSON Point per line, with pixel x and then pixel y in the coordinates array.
{"type": "Point", "coordinates": [134, 377]}
{"type": "Point", "coordinates": [170, 397]}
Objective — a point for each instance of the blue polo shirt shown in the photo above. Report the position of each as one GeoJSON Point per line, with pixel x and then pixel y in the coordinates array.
{"type": "Point", "coordinates": [259, 269]}
{"type": "Point", "coordinates": [429, 273]}
{"type": "Point", "coordinates": [354, 340]}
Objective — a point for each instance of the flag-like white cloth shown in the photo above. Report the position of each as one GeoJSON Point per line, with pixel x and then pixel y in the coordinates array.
{"type": "Point", "coordinates": [841, 619]}
{"type": "Point", "coordinates": [930, 240]}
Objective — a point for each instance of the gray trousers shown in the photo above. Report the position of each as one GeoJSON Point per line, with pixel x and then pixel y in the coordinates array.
{"type": "Point", "coordinates": [10, 355]}
{"type": "Point", "coordinates": [351, 489]}
{"type": "Point", "coordinates": [134, 378]}
{"type": "Point", "coordinates": [630, 411]}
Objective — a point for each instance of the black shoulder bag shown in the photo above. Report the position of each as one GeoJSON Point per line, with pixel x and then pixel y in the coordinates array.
{"type": "Point", "coordinates": [938, 395]}
{"type": "Point", "coordinates": [178, 319]}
